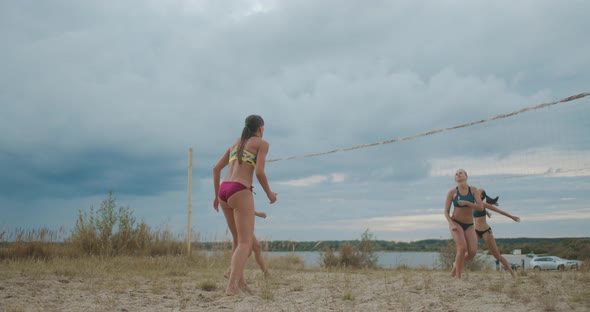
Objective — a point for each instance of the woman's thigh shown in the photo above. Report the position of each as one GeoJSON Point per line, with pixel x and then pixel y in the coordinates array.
{"type": "Point", "coordinates": [242, 204]}
{"type": "Point", "coordinates": [228, 212]}
{"type": "Point", "coordinates": [459, 237]}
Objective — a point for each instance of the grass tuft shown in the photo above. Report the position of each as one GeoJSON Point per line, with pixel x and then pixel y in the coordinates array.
{"type": "Point", "coordinates": [207, 285]}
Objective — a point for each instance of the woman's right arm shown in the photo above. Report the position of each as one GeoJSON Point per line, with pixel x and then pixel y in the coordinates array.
{"type": "Point", "coordinates": [448, 209]}
{"type": "Point", "coordinates": [221, 163]}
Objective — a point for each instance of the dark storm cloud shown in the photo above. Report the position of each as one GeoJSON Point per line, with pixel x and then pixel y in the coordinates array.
{"type": "Point", "coordinates": [100, 95]}
{"type": "Point", "coordinates": [88, 173]}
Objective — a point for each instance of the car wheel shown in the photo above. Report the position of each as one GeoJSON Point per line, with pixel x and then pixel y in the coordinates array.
{"type": "Point", "coordinates": [561, 267]}
{"type": "Point", "coordinates": [575, 267]}
{"type": "Point", "coordinates": [537, 268]}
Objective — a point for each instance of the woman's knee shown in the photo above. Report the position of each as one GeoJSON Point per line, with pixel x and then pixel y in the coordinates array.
{"type": "Point", "coordinates": [244, 240]}
{"type": "Point", "coordinates": [461, 249]}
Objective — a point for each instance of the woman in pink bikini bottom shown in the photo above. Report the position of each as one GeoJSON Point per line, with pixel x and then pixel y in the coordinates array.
{"type": "Point", "coordinates": [244, 158]}
{"type": "Point", "coordinates": [227, 189]}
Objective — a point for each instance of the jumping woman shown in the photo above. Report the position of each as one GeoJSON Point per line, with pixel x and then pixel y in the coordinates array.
{"type": "Point", "coordinates": [465, 199]}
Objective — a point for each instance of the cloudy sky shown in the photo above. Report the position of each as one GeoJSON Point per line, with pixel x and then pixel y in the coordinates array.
{"type": "Point", "coordinates": [110, 95]}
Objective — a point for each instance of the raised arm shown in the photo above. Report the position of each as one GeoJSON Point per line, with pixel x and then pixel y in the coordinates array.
{"type": "Point", "coordinates": [500, 211]}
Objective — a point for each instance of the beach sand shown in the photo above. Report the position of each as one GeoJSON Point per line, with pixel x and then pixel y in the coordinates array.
{"type": "Point", "coordinates": [171, 285]}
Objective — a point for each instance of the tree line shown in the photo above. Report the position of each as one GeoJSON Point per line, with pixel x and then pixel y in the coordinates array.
{"type": "Point", "coordinates": [570, 248]}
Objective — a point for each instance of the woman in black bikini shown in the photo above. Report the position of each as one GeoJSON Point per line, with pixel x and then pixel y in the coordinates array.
{"type": "Point", "coordinates": [484, 231]}
{"type": "Point", "coordinates": [246, 156]}
{"type": "Point", "coordinates": [465, 199]}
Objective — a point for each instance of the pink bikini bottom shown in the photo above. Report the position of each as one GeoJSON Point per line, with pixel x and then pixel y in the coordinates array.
{"type": "Point", "coordinates": [227, 189]}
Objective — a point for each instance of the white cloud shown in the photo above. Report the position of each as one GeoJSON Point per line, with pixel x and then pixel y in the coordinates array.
{"type": "Point", "coordinates": [578, 214]}
{"type": "Point", "coordinates": [338, 177]}
{"type": "Point", "coordinates": [392, 224]}
{"type": "Point", "coordinates": [530, 162]}
{"type": "Point", "coordinates": [437, 221]}
{"type": "Point", "coordinates": [252, 7]}
{"type": "Point", "coordinates": [314, 179]}
{"type": "Point", "coordinates": [307, 181]}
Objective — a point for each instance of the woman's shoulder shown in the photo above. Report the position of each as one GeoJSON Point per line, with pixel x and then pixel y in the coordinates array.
{"type": "Point", "coordinates": [263, 142]}
{"type": "Point", "coordinates": [257, 142]}
{"type": "Point", "coordinates": [235, 144]}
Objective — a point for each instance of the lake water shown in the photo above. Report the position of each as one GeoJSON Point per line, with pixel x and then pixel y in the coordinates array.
{"type": "Point", "coordinates": [394, 259]}
{"type": "Point", "coordinates": [386, 259]}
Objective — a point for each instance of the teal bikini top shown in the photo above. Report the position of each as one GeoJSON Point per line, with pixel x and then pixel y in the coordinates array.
{"type": "Point", "coordinates": [469, 197]}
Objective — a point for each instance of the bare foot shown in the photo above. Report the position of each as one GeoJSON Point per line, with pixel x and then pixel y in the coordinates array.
{"type": "Point", "coordinates": [453, 270]}
{"type": "Point", "coordinates": [232, 292]}
{"type": "Point", "coordinates": [246, 289]}
{"type": "Point", "coordinates": [266, 274]}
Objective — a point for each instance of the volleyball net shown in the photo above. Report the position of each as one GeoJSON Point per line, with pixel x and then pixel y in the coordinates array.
{"type": "Point", "coordinates": [536, 158]}
{"type": "Point", "coordinates": [437, 131]}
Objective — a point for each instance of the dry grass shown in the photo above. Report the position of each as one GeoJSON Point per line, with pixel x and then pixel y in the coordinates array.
{"type": "Point", "coordinates": [174, 283]}
{"type": "Point", "coordinates": [142, 269]}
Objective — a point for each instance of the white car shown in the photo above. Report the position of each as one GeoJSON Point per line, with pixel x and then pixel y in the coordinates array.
{"type": "Point", "coordinates": [553, 263]}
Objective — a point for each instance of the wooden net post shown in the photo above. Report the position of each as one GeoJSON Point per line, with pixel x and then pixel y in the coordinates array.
{"type": "Point", "coordinates": [189, 206]}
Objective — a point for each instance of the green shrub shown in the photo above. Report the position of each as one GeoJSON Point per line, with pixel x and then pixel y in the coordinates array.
{"type": "Point", "coordinates": [367, 250]}
{"type": "Point", "coordinates": [361, 255]}
{"type": "Point", "coordinates": [112, 231]}
{"type": "Point", "coordinates": [328, 258]}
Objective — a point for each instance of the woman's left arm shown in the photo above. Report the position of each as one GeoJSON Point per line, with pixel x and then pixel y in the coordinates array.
{"type": "Point", "coordinates": [260, 174]}
{"type": "Point", "coordinates": [502, 212]}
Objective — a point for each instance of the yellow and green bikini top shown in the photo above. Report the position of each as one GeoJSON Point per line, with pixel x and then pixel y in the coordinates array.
{"type": "Point", "coordinates": [246, 156]}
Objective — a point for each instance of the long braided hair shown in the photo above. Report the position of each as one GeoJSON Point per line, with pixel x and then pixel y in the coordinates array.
{"type": "Point", "coordinates": [253, 122]}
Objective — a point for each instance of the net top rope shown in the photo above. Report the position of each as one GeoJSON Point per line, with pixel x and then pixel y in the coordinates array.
{"type": "Point", "coordinates": [469, 124]}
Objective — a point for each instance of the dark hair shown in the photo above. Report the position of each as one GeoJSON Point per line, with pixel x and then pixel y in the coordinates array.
{"type": "Point", "coordinates": [489, 200]}
{"type": "Point", "coordinates": [253, 122]}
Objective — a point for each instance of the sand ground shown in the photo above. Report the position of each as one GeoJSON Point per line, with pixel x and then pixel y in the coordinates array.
{"type": "Point", "coordinates": [174, 287]}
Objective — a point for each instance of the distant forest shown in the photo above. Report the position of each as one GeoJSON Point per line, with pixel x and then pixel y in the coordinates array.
{"type": "Point", "coordinates": [569, 248]}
